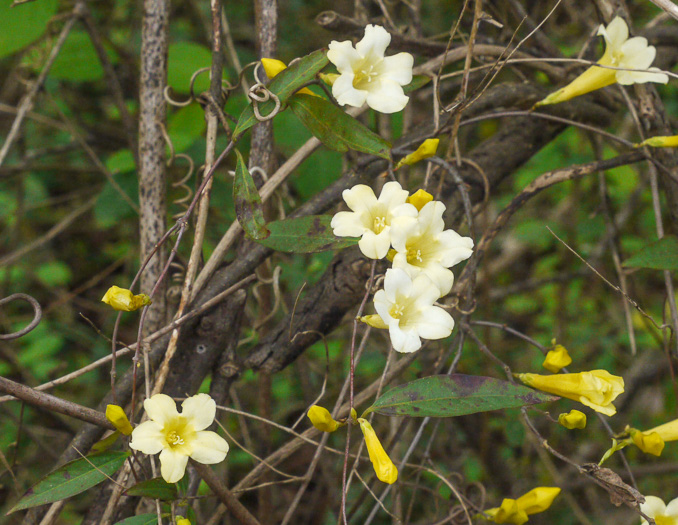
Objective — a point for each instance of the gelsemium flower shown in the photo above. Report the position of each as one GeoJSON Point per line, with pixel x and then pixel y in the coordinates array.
{"type": "Point", "coordinates": [556, 359]}
{"type": "Point", "coordinates": [595, 389]}
{"type": "Point", "coordinates": [322, 419]}
{"type": "Point", "coordinates": [649, 442]}
{"type": "Point", "coordinates": [370, 218]}
{"type": "Point", "coordinates": [573, 419]}
{"type": "Point", "coordinates": [516, 511]}
{"type": "Point", "coordinates": [383, 466]}
{"type": "Point", "coordinates": [123, 300]}
{"type": "Point", "coordinates": [179, 436]}
{"type": "Point", "coordinates": [620, 52]}
{"type": "Point", "coordinates": [406, 307]}
{"type": "Point", "coordinates": [366, 75]}
{"type": "Point", "coordinates": [662, 514]}
{"type": "Point", "coordinates": [117, 416]}
{"type": "Point", "coordinates": [426, 149]}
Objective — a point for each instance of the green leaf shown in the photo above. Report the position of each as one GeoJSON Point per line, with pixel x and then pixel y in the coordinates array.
{"type": "Point", "coordinates": [660, 255]}
{"type": "Point", "coordinates": [335, 128]}
{"type": "Point", "coordinates": [248, 207]}
{"type": "Point", "coordinates": [454, 395]}
{"type": "Point", "coordinates": [141, 519]}
{"type": "Point", "coordinates": [309, 234]}
{"type": "Point", "coordinates": [184, 59]}
{"type": "Point", "coordinates": [418, 81]}
{"type": "Point", "coordinates": [185, 126]}
{"type": "Point", "coordinates": [71, 479]}
{"type": "Point", "coordinates": [156, 488]}
{"type": "Point", "coordinates": [284, 85]}
{"type": "Point", "coordinates": [78, 60]}
{"type": "Point", "coordinates": [23, 24]}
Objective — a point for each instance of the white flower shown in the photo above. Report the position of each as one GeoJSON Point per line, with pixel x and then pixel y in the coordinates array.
{"type": "Point", "coordinates": [367, 76]}
{"type": "Point", "coordinates": [179, 436]}
{"type": "Point", "coordinates": [423, 245]}
{"type": "Point", "coordinates": [406, 307]}
{"type": "Point", "coordinates": [620, 52]}
{"type": "Point", "coordinates": [371, 217]}
{"type": "Point", "coordinates": [663, 514]}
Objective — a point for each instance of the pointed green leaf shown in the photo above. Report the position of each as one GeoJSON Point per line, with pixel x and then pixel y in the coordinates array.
{"type": "Point", "coordinates": [141, 519]}
{"type": "Point", "coordinates": [418, 81]}
{"type": "Point", "coordinates": [659, 255]}
{"type": "Point", "coordinates": [71, 479]}
{"type": "Point", "coordinates": [248, 207]}
{"type": "Point", "coordinates": [335, 128]}
{"type": "Point", "coordinates": [283, 86]}
{"type": "Point", "coordinates": [156, 488]}
{"type": "Point", "coordinates": [309, 234]}
{"type": "Point", "coordinates": [454, 395]}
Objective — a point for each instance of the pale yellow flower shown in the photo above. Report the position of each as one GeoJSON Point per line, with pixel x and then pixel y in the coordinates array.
{"type": "Point", "coordinates": [124, 300]}
{"type": "Point", "coordinates": [662, 514]}
{"type": "Point", "coordinates": [556, 359]}
{"type": "Point", "coordinates": [383, 466]}
{"type": "Point", "coordinates": [573, 419]}
{"type": "Point", "coordinates": [322, 419]}
{"type": "Point", "coordinates": [117, 416]}
{"type": "Point", "coordinates": [516, 511]}
{"type": "Point", "coordinates": [179, 436]}
{"type": "Point", "coordinates": [595, 389]}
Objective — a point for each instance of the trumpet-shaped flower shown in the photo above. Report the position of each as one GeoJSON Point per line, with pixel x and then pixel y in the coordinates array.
{"type": "Point", "coordinates": [632, 56]}
{"type": "Point", "coordinates": [322, 419]}
{"type": "Point", "coordinates": [649, 442]}
{"type": "Point", "coordinates": [370, 218]}
{"type": "Point", "coordinates": [124, 300]}
{"type": "Point", "coordinates": [662, 514]}
{"type": "Point", "coordinates": [424, 246]}
{"type": "Point", "coordinates": [179, 436]}
{"type": "Point", "coordinates": [405, 305]}
{"type": "Point", "coordinates": [556, 359]}
{"type": "Point", "coordinates": [595, 389]}
{"type": "Point", "coordinates": [366, 75]}
{"type": "Point", "coordinates": [117, 416]}
{"type": "Point", "coordinates": [516, 511]}
{"type": "Point", "coordinates": [573, 419]}
{"type": "Point", "coordinates": [383, 466]}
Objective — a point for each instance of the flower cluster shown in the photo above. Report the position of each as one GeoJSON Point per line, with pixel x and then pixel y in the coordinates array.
{"type": "Point", "coordinates": [423, 252]}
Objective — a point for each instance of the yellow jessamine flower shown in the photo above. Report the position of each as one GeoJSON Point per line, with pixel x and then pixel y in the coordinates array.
{"type": "Point", "coordinates": [660, 142]}
{"type": "Point", "coordinates": [516, 511]}
{"type": "Point", "coordinates": [631, 55]}
{"type": "Point", "coordinates": [419, 199]}
{"type": "Point", "coordinates": [124, 300]}
{"type": "Point", "coordinates": [383, 466]}
{"type": "Point", "coordinates": [322, 419]}
{"type": "Point", "coordinates": [556, 359]}
{"type": "Point", "coordinates": [273, 67]}
{"type": "Point", "coordinates": [427, 149]}
{"type": "Point", "coordinates": [649, 442]}
{"type": "Point", "coordinates": [116, 415]}
{"type": "Point", "coordinates": [660, 512]}
{"type": "Point", "coordinates": [595, 389]}
{"type": "Point", "coordinates": [573, 419]}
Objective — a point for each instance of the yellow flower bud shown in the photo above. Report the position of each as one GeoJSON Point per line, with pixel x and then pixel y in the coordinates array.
{"type": "Point", "coordinates": [124, 300]}
{"type": "Point", "coordinates": [183, 521]}
{"type": "Point", "coordinates": [116, 415]}
{"type": "Point", "coordinates": [419, 199]}
{"type": "Point", "coordinates": [508, 512]}
{"type": "Point", "coordinates": [375, 321]}
{"type": "Point", "coordinates": [595, 389]}
{"type": "Point", "coordinates": [516, 511]}
{"type": "Point", "coordinates": [383, 466]}
{"type": "Point", "coordinates": [660, 142]}
{"type": "Point", "coordinates": [427, 149]}
{"type": "Point", "coordinates": [354, 415]}
{"type": "Point", "coordinates": [273, 67]}
{"type": "Point", "coordinates": [322, 419]}
{"type": "Point", "coordinates": [649, 442]}
{"type": "Point", "coordinates": [556, 359]}
{"type": "Point", "coordinates": [573, 419]}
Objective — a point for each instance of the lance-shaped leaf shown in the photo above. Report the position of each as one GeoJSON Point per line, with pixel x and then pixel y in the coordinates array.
{"type": "Point", "coordinates": [659, 255]}
{"type": "Point", "coordinates": [309, 234]}
{"type": "Point", "coordinates": [335, 128]}
{"type": "Point", "coordinates": [71, 479]}
{"type": "Point", "coordinates": [156, 488]}
{"type": "Point", "coordinates": [454, 395]}
{"type": "Point", "coordinates": [248, 207]}
{"type": "Point", "coordinates": [283, 86]}
{"type": "Point", "coordinates": [141, 519]}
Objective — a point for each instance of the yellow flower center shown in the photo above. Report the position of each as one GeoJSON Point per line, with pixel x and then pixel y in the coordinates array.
{"type": "Point", "coordinates": [174, 439]}
{"type": "Point", "coordinates": [664, 520]}
{"type": "Point", "coordinates": [397, 311]}
{"type": "Point", "coordinates": [379, 224]}
{"type": "Point", "coordinates": [363, 76]}
{"type": "Point", "coordinates": [414, 256]}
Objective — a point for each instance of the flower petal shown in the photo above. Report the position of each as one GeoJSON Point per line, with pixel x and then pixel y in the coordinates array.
{"type": "Point", "coordinates": [653, 506]}
{"type": "Point", "coordinates": [435, 323]}
{"type": "Point", "coordinates": [397, 283]}
{"type": "Point", "coordinates": [636, 54]}
{"type": "Point", "coordinates": [393, 195]}
{"type": "Point", "coordinates": [424, 291]}
{"type": "Point", "coordinates": [615, 33]}
{"type": "Point", "coordinates": [375, 246]}
{"type": "Point", "coordinates": [345, 93]}
{"type": "Point", "coordinates": [201, 409]}
{"type": "Point", "coordinates": [161, 408]}
{"type": "Point", "coordinates": [383, 306]}
{"type": "Point", "coordinates": [388, 98]}
{"type": "Point", "coordinates": [172, 465]}
{"type": "Point", "coordinates": [626, 78]}
{"type": "Point", "coordinates": [348, 224]}
{"type": "Point", "coordinates": [359, 198]}
{"type": "Point", "coordinates": [397, 68]}
{"type": "Point", "coordinates": [148, 438]}
{"type": "Point", "coordinates": [456, 248]}
{"type": "Point", "coordinates": [374, 43]}
{"type": "Point", "coordinates": [440, 276]}
{"type": "Point", "coordinates": [671, 508]}
{"type": "Point", "coordinates": [343, 55]}
{"type": "Point", "coordinates": [209, 448]}
{"type": "Point", "coordinates": [403, 341]}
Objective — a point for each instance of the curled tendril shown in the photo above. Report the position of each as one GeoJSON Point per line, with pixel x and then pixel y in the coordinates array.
{"type": "Point", "coordinates": [37, 315]}
{"type": "Point", "coordinates": [259, 93]}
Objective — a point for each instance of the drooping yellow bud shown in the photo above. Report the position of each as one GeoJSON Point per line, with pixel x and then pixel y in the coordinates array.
{"type": "Point", "coordinates": [124, 300]}
{"type": "Point", "coordinates": [508, 512]}
{"type": "Point", "coordinates": [573, 419]}
{"type": "Point", "coordinates": [183, 521]}
{"type": "Point", "coordinates": [516, 511]}
{"type": "Point", "coordinates": [273, 66]}
{"type": "Point", "coordinates": [419, 199]}
{"type": "Point", "coordinates": [322, 419]}
{"type": "Point", "coordinates": [374, 320]}
{"type": "Point", "coordinates": [660, 142]}
{"type": "Point", "coordinates": [427, 149]}
{"type": "Point", "coordinates": [649, 442]}
{"type": "Point", "coordinates": [556, 359]}
{"type": "Point", "coordinates": [383, 466]}
{"type": "Point", "coordinates": [116, 415]}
